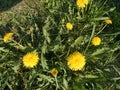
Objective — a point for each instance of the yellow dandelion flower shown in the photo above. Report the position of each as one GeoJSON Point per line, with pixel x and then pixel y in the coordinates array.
{"type": "Point", "coordinates": [76, 61]}
{"type": "Point", "coordinates": [96, 41]}
{"type": "Point", "coordinates": [108, 21]}
{"type": "Point", "coordinates": [69, 26]}
{"type": "Point", "coordinates": [54, 72]}
{"type": "Point", "coordinates": [81, 3]}
{"type": "Point", "coordinates": [30, 59]}
{"type": "Point", "coordinates": [7, 37]}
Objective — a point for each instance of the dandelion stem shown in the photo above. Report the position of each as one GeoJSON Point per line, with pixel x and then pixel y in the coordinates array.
{"type": "Point", "coordinates": [82, 10]}
{"type": "Point", "coordinates": [92, 34]}
{"type": "Point", "coordinates": [57, 86]}
{"type": "Point", "coordinates": [18, 44]}
{"type": "Point", "coordinates": [101, 29]}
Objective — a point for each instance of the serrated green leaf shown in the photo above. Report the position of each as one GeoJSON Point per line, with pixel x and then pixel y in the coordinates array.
{"type": "Point", "coordinates": [46, 27]}
{"type": "Point", "coordinates": [56, 48]}
{"type": "Point", "coordinates": [44, 49]}
{"type": "Point", "coordinates": [3, 50]}
{"type": "Point", "coordinates": [46, 34]}
{"type": "Point", "coordinates": [15, 68]}
{"type": "Point", "coordinates": [10, 87]}
{"type": "Point", "coordinates": [47, 78]}
{"type": "Point", "coordinates": [44, 62]}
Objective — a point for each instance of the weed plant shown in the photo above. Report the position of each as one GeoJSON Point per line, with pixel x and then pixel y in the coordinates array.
{"type": "Point", "coordinates": [69, 47]}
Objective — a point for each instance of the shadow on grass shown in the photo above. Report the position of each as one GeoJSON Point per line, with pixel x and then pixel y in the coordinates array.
{"type": "Point", "coordinates": [6, 4]}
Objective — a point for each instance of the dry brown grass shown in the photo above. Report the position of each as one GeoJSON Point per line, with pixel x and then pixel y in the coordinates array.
{"type": "Point", "coordinates": [24, 7]}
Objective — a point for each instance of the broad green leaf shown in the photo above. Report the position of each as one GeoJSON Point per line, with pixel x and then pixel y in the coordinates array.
{"type": "Point", "coordinates": [90, 76]}
{"type": "Point", "coordinates": [99, 51]}
{"type": "Point", "coordinates": [77, 41]}
{"type": "Point", "coordinates": [112, 9]}
{"type": "Point", "coordinates": [65, 83]}
{"type": "Point", "coordinates": [100, 18]}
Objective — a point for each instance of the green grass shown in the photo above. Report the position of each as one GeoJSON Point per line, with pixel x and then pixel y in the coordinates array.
{"type": "Point", "coordinates": [39, 28]}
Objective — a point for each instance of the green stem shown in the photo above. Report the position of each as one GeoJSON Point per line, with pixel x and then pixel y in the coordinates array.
{"type": "Point", "coordinates": [57, 86]}
{"type": "Point", "coordinates": [92, 34]}
{"type": "Point", "coordinates": [82, 10]}
{"type": "Point", "coordinates": [21, 47]}
{"type": "Point", "coordinates": [101, 29]}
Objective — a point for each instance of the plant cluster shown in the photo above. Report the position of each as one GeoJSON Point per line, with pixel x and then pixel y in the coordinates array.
{"type": "Point", "coordinates": [67, 48]}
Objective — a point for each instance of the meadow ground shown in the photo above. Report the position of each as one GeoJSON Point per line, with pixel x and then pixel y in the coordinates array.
{"type": "Point", "coordinates": [59, 45]}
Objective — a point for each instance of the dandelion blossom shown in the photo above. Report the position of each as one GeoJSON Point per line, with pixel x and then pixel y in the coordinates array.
{"type": "Point", "coordinates": [69, 26]}
{"type": "Point", "coordinates": [81, 3]}
{"type": "Point", "coordinates": [7, 37]}
{"type": "Point", "coordinates": [30, 60]}
{"type": "Point", "coordinates": [108, 21]}
{"type": "Point", "coordinates": [76, 61]}
{"type": "Point", "coordinates": [54, 72]}
{"type": "Point", "coordinates": [96, 41]}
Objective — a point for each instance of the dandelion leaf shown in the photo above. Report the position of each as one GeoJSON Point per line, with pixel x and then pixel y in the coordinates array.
{"type": "Point", "coordinates": [99, 51]}
{"type": "Point", "coordinates": [77, 41]}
